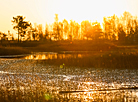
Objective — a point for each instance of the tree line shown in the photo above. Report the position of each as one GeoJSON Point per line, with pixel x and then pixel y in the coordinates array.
{"type": "Point", "coordinates": [124, 29]}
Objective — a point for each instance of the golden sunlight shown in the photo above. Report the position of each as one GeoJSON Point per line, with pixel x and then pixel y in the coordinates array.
{"type": "Point", "coordinates": [71, 50]}
{"type": "Point", "coordinates": [79, 10]}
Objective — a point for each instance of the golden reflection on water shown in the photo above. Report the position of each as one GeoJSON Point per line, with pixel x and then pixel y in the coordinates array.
{"type": "Point", "coordinates": [53, 56]}
{"type": "Point", "coordinates": [105, 96]}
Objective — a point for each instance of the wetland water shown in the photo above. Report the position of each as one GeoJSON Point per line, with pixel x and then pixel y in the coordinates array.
{"type": "Point", "coordinates": [87, 84]}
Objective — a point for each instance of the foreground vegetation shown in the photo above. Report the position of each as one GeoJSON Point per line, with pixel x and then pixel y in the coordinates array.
{"type": "Point", "coordinates": [44, 83]}
{"type": "Point", "coordinates": [33, 89]}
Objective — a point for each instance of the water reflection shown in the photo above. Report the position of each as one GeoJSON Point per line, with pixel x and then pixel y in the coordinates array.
{"type": "Point", "coordinates": [52, 56]}
{"type": "Point", "coordinates": [105, 96]}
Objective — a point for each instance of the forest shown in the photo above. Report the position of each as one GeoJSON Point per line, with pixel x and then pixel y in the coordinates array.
{"type": "Point", "coordinates": [113, 28]}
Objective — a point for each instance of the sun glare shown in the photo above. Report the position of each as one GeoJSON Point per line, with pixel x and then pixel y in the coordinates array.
{"type": "Point", "coordinates": [78, 10]}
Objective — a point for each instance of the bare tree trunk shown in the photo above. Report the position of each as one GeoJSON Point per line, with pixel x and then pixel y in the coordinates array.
{"type": "Point", "coordinates": [18, 34]}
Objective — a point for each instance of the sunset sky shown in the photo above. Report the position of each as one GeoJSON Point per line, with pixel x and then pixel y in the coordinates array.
{"type": "Point", "coordinates": [42, 11]}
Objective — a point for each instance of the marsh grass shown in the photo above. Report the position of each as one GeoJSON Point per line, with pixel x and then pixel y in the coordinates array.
{"type": "Point", "coordinates": [36, 91]}
{"type": "Point", "coordinates": [103, 59]}
{"type": "Point", "coordinates": [32, 89]}
{"type": "Point", "coordinates": [23, 86]}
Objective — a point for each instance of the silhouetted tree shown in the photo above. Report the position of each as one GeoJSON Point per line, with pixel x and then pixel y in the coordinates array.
{"type": "Point", "coordinates": [3, 36]}
{"type": "Point", "coordinates": [136, 30]}
{"type": "Point", "coordinates": [46, 32]}
{"type": "Point", "coordinates": [20, 25]}
{"type": "Point", "coordinates": [110, 27]}
{"type": "Point", "coordinates": [60, 30]}
{"type": "Point", "coordinates": [9, 35]}
{"type": "Point", "coordinates": [40, 31]}
{"type": "Point", "coordinates": [128, 25]}
{"type": "Point", "coordinates": [86, 29]}
{"type": "Point", "coordinates": [65, 29]}
{"type": "Point", "coordinates": [96, 30]}
{"type": "Point", "coordinates": [126, 21]}
{"type": "Point", "coordinates": [131, 35]}
{"type": "Point", "coordinates": [121, 33]}
{"type": "Point", "coordinates": [76, 30]}
{"type": "Point", "coordinates": [34, 34]}
{"type": "Point", "coordinates": [107, 28]}
{"type": "Point", "coordinates": [113, 37]}
{"type": "Point", "coordinates": [71, 31]}
{"type": "Point", "coordinates": [56, 29]}
{"type": "Point", "coordinates": [114, 24]}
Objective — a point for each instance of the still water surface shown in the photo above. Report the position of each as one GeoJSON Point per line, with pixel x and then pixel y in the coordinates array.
{"type": "Point", "coordinates": [52, 55]}
{"type": "Point", "coordinates": [94, 81]}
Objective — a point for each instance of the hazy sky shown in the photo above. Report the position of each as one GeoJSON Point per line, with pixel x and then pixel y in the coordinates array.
{"type": "Point", "coordinates": [42, 11]}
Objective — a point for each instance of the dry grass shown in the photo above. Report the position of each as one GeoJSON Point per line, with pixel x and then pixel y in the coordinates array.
{"type": "Point", "coordinates": [105, 59]}
{"type": "Point", "coordinates": [31, 89]}
{"type": "Point", "coordinates": [23, 86]}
